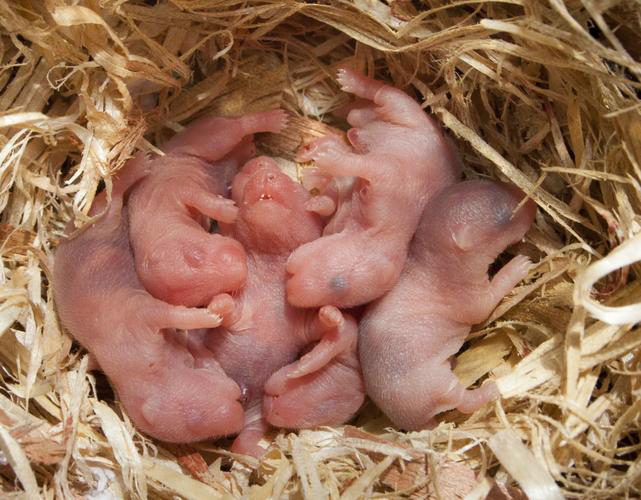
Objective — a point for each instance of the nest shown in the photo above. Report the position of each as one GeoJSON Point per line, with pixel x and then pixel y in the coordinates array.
{"type": "Point", "coordinates": [546, 94]}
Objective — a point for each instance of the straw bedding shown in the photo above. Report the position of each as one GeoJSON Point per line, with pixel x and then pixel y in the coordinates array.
{"type": "Point", "coordinates": [545, 93]}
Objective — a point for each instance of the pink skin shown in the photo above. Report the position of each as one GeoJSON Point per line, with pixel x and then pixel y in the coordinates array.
{"type": "Point", "coordinates": [335, 201]}
{"type": "Point", "coordinates": [183, 263]}
{"type": "Point", "coordinates": [167, 392]}
{"type": "Point", "coordinates": [399, 159]}
{"type": "Point", "coordinates": [408, 337]}
{"type": "Point", "coordinates": [264, 336]}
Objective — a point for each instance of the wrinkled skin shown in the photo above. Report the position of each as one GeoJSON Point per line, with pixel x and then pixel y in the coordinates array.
{"type": "Point", "coordinates": [183, 263]}
{"type": "Point", "coordinates": [399, 160]}
{"type": "Point", "coordinates": [263, 336]}
{"type": "Point", "coordinates": [167, 392]}
{"type": "Point", "coordinates": [407, 338]}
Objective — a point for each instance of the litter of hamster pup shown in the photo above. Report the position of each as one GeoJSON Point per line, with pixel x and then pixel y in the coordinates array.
{"type": "Point", "coordinates": [227, 369]}
{"type": "Point", "coordinates": [539, 95]}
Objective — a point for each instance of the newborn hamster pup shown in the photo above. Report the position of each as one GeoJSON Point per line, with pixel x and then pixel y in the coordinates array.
{"type": "Point", "coordinates": [176, 257]}
{"type": "Point", "coordinates": [399, 158]}
{"type": "Point", "coordinates": [167, 392]}
{"type": "Point", "coordinates": [259, 346]}
{"type": "Point", "coordinates": [407, 337]}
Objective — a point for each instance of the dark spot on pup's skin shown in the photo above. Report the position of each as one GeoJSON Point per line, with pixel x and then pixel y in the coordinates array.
{"type": "Point", "coordinates": [338, 284]}
{"type": "Point", "coordinates": [503, 214]}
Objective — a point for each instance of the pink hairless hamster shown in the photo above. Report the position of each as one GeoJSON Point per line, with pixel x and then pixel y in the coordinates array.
{"type": "Point", "coordinates": [262, 338]}
{"type": "Point", "coordinates": [177, 259]}
{"type": "Point", "coordinates": [407, 337]}
{"type": "Point", "coordinates": [167, 392]}
{"type": "Point", "coordinates": [399, 158]}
